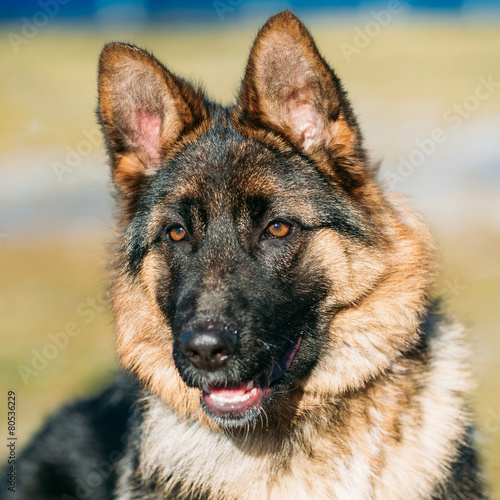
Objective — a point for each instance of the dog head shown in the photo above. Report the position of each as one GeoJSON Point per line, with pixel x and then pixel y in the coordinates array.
{"type": "Point", "coordinates": [258, 266]}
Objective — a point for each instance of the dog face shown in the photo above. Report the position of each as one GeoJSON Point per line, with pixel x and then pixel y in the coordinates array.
{"type": "Point", "coordinates": [230, 225]}
{"type": "Point", "coordinates": [233, 285]}
{"type": "Point", "coordinates": [253, 252]}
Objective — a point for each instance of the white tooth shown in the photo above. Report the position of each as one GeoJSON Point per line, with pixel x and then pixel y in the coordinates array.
{"type": "Point", "coordinates": [250, 385]}
{"type": "Point", "coordinates": [235, 399]}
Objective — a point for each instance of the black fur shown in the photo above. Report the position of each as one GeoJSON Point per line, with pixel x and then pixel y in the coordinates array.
{"type": "Point", "coordinates": [74, 456]}
{"type": "Point", "coordinates": [84, 448]}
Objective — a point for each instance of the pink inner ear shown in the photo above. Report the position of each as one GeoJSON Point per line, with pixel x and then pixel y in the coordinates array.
{"type": "Point", "coordinates": [305, 120]}
{"type": "Point", "coordinates": [147, 127]}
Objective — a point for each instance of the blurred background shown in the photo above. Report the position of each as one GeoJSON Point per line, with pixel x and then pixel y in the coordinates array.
{"type": "Point", "coordinates": [423, 76]}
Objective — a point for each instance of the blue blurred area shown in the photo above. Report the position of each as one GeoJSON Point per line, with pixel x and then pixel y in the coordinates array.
{"type": "Point", "coordinates": [214, 10]}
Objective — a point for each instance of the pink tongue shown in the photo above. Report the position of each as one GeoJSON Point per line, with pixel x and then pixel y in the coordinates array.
{"type": "Point", "coordinates": [229, 392]}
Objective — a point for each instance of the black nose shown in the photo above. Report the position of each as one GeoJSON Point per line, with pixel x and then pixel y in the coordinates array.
{"type": "Point", "coordinates": [208, 347]}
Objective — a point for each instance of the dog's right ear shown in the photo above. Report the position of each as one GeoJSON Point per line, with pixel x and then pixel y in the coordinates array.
{"type": "Point", "coordinates": [143, 109]}
{"type": "Point", "coordinates": [288, 87]}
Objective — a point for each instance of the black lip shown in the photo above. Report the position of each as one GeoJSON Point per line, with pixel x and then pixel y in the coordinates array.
{"type": "Point", "coordinates": [279, 368]}
{"type": "Point", "coordinates": [232, 419]}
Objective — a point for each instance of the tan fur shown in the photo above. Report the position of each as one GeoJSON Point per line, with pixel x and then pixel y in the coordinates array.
{"type": "Point", "coordinates": [357, 433]}
{"type": "Point", "coordinates": [381, 293]}
{"type": "Point", "coordinates": [389, 440]}
{"type": "Point", "coordinates": [144, 344]}
{"type": "Point", "coordinates": [380, 416]}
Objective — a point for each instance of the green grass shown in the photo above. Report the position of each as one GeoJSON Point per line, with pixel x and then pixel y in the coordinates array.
{"type": "Point", "coordinates": [48, 96]}
{"type": "Point", "coordinates": [470, 283]}
{"type": "Point", "coordinates": [45, 290]}
{"type": "Point", "coordinates": [48, 89]}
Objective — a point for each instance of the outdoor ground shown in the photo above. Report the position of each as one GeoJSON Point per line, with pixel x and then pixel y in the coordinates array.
{"type": "Point", "coordinates": [55, 212]}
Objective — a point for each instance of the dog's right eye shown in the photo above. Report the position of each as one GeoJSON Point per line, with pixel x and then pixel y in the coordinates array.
{"type": "Point", "coordinates": [177, 233]}
{"type": "Point", "coordinates": [277, 230]}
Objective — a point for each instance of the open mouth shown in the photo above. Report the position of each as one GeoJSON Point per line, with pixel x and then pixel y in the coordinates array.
{"type": "Point", "coordinates": [235, 402]}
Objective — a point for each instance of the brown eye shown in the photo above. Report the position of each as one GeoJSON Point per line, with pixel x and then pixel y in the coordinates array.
{"type": "Point", "coordinates": [279, 229]}
{"type": "Point", "coordinates": [177, 233]}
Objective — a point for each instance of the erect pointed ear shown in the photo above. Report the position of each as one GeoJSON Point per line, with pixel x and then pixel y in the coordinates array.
{"type": "Point", "coordinates": [290, 88]}
{"type": "Point", "coordinates": [143, 109]}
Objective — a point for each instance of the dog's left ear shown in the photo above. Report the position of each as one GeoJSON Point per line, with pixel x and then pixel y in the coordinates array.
{"type": "Point", "coordinates": [290, 88]}
{"type": "Point", "coordinates": [144, 109]}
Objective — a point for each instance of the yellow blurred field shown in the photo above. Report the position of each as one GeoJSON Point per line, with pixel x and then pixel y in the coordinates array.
{"type": "Point", "coordinates": [48, 91]}
{"type": "Point", "coordinates": [50, 279]}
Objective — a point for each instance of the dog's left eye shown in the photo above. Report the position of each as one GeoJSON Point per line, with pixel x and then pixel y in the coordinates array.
{"type": "Point", "coordinates": [278, 229]}
{"type": "Point", "coordinates": [177, 233]}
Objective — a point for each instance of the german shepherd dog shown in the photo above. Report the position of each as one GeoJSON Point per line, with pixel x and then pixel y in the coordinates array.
{"type": "Point", "coordinates": [273, 305]}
